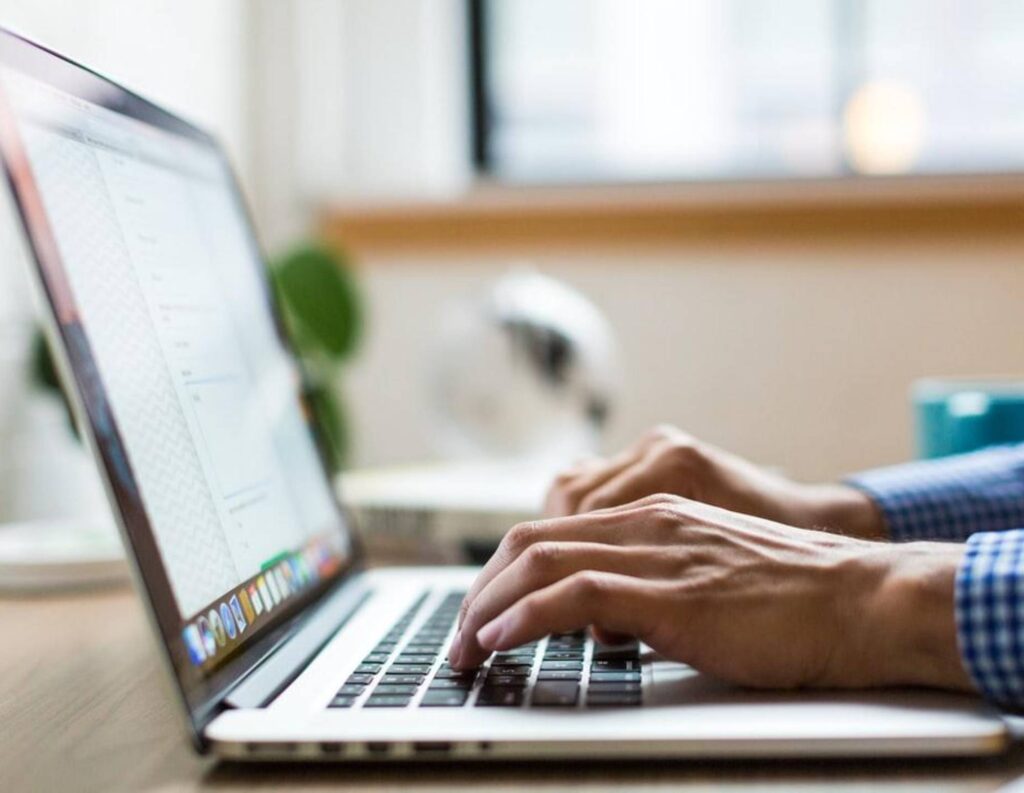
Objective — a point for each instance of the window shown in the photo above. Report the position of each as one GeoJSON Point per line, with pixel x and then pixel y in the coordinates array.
{"type": "Point", "coordinates": [616, 90]}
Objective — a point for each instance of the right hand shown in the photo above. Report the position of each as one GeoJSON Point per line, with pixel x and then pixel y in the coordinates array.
{"type": "Point", "coordinates": [747, 600]}
{"type": "Point", "coordinates": [667, 460]}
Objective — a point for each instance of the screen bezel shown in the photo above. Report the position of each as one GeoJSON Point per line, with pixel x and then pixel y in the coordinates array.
{"type": "Point", "coordinates": [201, 694]}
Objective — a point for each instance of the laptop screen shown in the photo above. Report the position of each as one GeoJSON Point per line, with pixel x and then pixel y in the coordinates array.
{"type": "Point", "coordinates": [162, 303]}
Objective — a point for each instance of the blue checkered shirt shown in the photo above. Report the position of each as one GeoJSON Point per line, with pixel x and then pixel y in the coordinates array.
{"type": "Point", "coordinates": [977, 498]}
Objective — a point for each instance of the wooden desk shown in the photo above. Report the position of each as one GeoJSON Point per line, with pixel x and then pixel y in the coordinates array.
{"type": "Point", "coordinates": [84, 707]}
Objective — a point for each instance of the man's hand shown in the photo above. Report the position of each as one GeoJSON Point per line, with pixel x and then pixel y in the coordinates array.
{"type": "Point", "coordinates": [667, 460]}
{"type": "Point", "coordinates": [747, 600]}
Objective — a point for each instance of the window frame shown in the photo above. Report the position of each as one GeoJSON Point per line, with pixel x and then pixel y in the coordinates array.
{"type": "Point", "coordinates": [482, 153]}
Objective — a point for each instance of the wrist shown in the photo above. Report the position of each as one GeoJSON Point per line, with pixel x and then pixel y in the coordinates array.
{"type": "Point", "coordinates": [845, 510]}
{"type": "Point", "coordinates": [908, 618]}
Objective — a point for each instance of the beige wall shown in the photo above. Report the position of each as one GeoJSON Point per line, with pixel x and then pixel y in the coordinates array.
{"type": "Point", "coordinates": [795, 355]}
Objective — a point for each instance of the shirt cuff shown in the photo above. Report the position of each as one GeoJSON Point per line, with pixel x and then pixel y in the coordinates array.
{"type": "Point", "coordinates": [989, 606]}
{"type": "Point", "coordinates": [949, 498]}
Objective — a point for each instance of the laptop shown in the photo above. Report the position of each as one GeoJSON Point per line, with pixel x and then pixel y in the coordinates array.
{"type": "Point", "coordinates": [281, 643]}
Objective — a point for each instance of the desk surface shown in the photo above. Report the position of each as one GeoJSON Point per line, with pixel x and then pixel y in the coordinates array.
{"type": "Point", "coordinates": [84, 707]}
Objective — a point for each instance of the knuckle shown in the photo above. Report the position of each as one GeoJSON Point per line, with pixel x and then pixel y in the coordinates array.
{"type": "Point", "coordinates": [683, 560]}
{"type": "Point", "coordinates": [568, 494]}
{"type": "Point", "coordinates": [542, 555]}
{"type": "Point", "coordinates": [684, 454]}
{"type": "Point", "coordinates": [662, 432]}
{"type": "Point", "coordinates": [590, 584]}
{"type": "Point", "coordinates": [664, 516]}
{"type": "Point", "coordinates": [563, 479]}
{"type": "Point", "coordinates": [520, 536]}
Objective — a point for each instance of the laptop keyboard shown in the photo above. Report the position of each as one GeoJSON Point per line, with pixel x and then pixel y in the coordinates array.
{"type": "Point", "coordinates": [562, 671]}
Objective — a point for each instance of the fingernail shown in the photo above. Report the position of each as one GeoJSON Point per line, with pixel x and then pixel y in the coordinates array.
{"type": "Point", "coordinates": [489, 634]}
{"type": "Point", "coordinates": [455, 648]}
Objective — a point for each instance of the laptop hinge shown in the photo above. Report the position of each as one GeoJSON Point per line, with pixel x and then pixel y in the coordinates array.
{"type": "Point", "coordinates": [275, 672]}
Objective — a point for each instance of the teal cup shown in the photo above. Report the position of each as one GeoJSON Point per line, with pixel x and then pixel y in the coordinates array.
{"type": "Point", "coordinates": [955, 416]}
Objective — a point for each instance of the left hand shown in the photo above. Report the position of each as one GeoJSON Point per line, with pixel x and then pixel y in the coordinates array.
{"type": "Point", "coordinates": [668, 460]}
{"type": "Point", "coordinates": [745, 599]}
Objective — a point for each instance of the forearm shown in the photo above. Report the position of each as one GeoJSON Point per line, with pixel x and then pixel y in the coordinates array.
{"type": "Point", "coordinates": [843, 509]}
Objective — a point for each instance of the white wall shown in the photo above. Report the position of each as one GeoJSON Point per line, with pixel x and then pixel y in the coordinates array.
{"type": "Point", "coordinates": [186, 54]}
{"type": "Point", "coordinates": [354, 99]}
{"type": "Point", "coordinates": [797, 356]}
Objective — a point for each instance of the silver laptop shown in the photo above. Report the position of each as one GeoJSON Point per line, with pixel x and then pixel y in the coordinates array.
{"type": "Point", "coordinates": [281, 644]}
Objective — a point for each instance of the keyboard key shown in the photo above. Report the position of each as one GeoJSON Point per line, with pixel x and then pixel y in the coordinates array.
{"type": "Point", "coordinates": [615, 677]}
{"type": "Point", "coordinates": [409, 669]}
{"type": "Point", "coordinates": [342, 702]}
{"type": "Point", "coordinates": [385, 648]}
{"type": "Point", "coordinates": [359, 677]}
{"type": "Point", "coordinates": [398, 680]}
{"type": "Point", "coordinates": [561, 694]}
{"type": "Point", "coordinates": [351, 689]}
{"type": "Point", "coordinates": [451, 683]}
{"type": "Point", "coordinates": [599, 700]}
{"type": "Point", "coordinates": [561, 674]}
{"type": "Point", "coordinates": [444, 699]}
{"type": "Point", "coordinates": [368, 669]}
{"type": "Point", "coordinates": [415, 656]}
{"type": "Point", "coordinates": [564, 655]}
{"type": "Point", "coordinates": [454, 674]}
{"type": "Point", "coordinates": [397, 690]}
{"type": "Point", "coordinates": [614, 665]}
{"type": "Point", "coordinates": [505, 681]}
{"type": "Point", "coordinates": [376, 658]}
{"type": "Point", "coordinates": [551, 666]}
{"type": "Point", "coordinates": [512, 671]}
{"type": "Point", "coordinates": [604, 687]}
{"type": "Point", "coordinates": [500, 697]}
{"type": "Point", "coordinates": [386, 701]}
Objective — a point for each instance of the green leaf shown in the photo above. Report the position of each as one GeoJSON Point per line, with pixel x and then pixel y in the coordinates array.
{"type": "Point", "coordinates": [42, 369]}
{"type": "Point", "coordinates": [321, 301]}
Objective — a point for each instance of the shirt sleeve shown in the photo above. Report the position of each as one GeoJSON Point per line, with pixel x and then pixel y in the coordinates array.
{"type": "Point", "coordinates": [990, 614]}
{"type": "Point", "coordinates": [952, 497]}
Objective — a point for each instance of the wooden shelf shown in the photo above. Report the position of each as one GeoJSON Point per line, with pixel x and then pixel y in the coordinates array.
{"type": "Point", "coordinates": [492, 217]}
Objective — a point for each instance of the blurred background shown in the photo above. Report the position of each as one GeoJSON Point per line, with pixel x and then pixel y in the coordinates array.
{"type": "Point", "coordinates": [786, 211]}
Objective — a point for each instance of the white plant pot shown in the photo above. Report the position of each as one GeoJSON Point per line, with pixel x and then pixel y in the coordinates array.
{"type": "Point", "coordinates": [44, 470]}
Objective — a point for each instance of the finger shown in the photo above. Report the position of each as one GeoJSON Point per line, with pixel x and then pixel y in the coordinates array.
{"type": "Point", "coordinates": [611, 526]}
{"type": "Point", "coordinates": [629, 485]}
{"type": "Point", "coordinates": [573, 486]}
{"type": "Point", "coordinates": [544, 564]}
{"type": "Point", "coordinates": [614, 603]}
{"type": "Point", "coordinates": [602, 636]}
